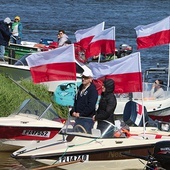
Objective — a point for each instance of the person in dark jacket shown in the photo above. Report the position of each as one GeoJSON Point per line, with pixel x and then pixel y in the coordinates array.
{"type": "Point", "coordinates": [107, 105]}
{"type": "Point", "coordinates": [85, 101]}
{"type": "Point", "coordinates": [4, 35]}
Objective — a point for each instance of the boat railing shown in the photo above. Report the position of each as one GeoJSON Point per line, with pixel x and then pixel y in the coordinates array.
{"type": "Point", "coordinates": [11, 60]}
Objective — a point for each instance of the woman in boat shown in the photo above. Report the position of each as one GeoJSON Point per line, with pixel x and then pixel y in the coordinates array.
{"type": "Point", "coordinates": [17, 31]}
{"type": "Point", "coordinates": [157, 90]}
{"type": "Point", "coordinates": [107, 105]}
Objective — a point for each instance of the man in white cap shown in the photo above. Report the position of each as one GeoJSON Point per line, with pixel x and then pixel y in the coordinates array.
{"type": "Point", "coordinates": [4, 35]}
{"type": "Point", "coordinates": [85, 101]}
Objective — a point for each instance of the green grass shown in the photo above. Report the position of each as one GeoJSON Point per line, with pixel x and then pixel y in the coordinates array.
{"type": "Point", "coordinates": [11, 96]}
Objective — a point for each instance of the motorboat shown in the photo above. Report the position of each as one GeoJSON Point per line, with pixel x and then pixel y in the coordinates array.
{"type": "Point", "coordinates": [16, 51]}
{"type": "Point", "coordinates": [157, 108]}
{"type": "Point", "coordinates": [34, 120]}
{"type": "Point", "coordinates": [105, 143]}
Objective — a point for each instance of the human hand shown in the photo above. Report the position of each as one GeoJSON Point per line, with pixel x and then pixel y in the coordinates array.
{"type": "Point", "coordinates": [153, 85]}
{"type": "Point", "coordinates": [75, 114]}
{"type": "Point", "coordinates": [93, 118]}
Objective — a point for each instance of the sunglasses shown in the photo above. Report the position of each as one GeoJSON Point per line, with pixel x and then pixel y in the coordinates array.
{"type": "Point", "coordinates": [84, 77]}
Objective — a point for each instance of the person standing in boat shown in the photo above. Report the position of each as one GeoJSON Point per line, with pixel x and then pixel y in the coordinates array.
{"type": "Point", "coordinates": [17, 30]}
{"type": "Point", "coordinates": [62, 38]}
{"type": "Point", "coordinates": [107, 106]}
{"type": "Point", "coordinates": [4, 35]}
{"type": "Point", "coordinates": [85, 102]}
{"type": "Point", "coordinates": [157, 89]}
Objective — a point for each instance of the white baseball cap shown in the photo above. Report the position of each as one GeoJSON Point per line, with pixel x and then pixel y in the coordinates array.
{"type": "Point", "coordinates": [7, 20]}
{"type": "Point", "coordinates": [87, 73]}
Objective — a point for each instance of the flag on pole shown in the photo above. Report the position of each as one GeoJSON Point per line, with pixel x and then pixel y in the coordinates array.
{"type": "Point", "coordinates": [57, 64]}
{"type": "Point", "coordinates": [154, 34]}
{"type": "Point", "coordinates": [126, 72]}
{"type": "Point", "coordinates": [84, 36]}
{"type": "Point", "coordinates": [102, 43]}
{"type": "Point", "coordinates": [139, 110]}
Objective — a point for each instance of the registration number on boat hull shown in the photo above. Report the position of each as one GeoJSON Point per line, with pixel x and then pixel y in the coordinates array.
{"type": "Point", "coordinates": [36, 133]}
{"type": "Point", "coordinates": [74, 158]}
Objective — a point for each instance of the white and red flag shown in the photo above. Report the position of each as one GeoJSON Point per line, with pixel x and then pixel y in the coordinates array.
{"type": "Point", "coordinates": [102, 43]}
{"type": "Point", "coordinates": [126, 73]}
{"type": "Point", "coordinates": [84, 36]}
{"type": "Point", "coordinates": [154, 34]}
{"type": "Point", "coordinates": [54, 65]}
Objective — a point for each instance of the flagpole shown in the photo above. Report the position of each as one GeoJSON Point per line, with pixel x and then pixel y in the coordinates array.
{"type": "Point", "coordinates": [143, 113]}
{"type": "Point", "coordinates": [168, 70]}
{"type": "Point", "coordinates": [143, 108]}
{"type": "Point", "coordinates": [99, 58]}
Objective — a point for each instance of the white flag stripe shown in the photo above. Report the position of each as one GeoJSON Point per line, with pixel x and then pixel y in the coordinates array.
{"type": "Point", "coordinates": [107, 34]}
{"type": "Point", "coordinates": [127, 64]}
{"type": "Point", "coordinates": [146, 30]}
{"type": "Point", "coordinates": [59, 55]}
{"type": "Point", "coordinates": [80, 34]}
{"type": "Point", "coordinates": [138, 119]}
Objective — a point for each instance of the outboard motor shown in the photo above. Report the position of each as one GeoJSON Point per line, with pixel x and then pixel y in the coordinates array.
{"type": "Point", "coordinates": [124, 50]}
{"type": "Point", "coordinates": [162, 153]}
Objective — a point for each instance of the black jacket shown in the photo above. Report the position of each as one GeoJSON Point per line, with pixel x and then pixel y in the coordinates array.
{"type": "Point", "coordinates": [107, 104]}
{"type": "Point", "coordinates": [85, 104]}
{"type": "Point", "coordinates": [4, 33]}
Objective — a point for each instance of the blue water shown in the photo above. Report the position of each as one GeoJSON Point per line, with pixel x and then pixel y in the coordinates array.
{"type": "Point", "coordinates": [43, 19]}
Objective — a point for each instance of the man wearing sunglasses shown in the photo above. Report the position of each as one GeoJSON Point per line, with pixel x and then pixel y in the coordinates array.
{"type": "Point", "coordinates": [85, 101]}
{"type": "Point", "coordinates": [62, 38]}
{"type": "Point", "coordinates": [157, 89]}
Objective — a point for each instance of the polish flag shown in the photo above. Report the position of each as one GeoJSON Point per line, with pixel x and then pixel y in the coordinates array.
{"type": "Point", "coordinates": [84, 36]}
{"type": "Point", "coordinates": [139, 110]}
{"type": "Point", "coordinates": [154, 34]}
{"type": "Point", "coordinates": [57, 64]}
{"type": "Point", "coordinates": [102, 43]}
{"type": "Point", "coordinates": [126, 72]}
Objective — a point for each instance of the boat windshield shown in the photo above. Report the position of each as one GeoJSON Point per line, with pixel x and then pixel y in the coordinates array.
{"type": "Point", "coordinates": [38, 109]}
{"type": "Point", "coordinates": [84, 126]}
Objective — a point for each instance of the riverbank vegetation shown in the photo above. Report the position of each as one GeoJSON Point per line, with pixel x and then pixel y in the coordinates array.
{"type": "Point", "coordinates": [11, 95]}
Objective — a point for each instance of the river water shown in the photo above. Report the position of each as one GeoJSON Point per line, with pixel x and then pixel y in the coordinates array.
{"type": "Point", "coordinates": [43, 19]}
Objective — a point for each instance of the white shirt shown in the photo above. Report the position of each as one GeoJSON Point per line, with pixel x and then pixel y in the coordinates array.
{"type": "Point", "coordinates": [15, 30]}
{"type": "Point", "coordinates": [157, 94]}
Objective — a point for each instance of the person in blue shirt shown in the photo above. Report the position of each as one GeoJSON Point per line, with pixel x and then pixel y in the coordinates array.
{"type": "Point", "coordinates": [85, 101]}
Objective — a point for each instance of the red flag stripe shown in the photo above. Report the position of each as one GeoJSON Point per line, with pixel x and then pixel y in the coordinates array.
{"type": "Point", "coordinates": [129, 82]}
{"type": "Point", "coordinates": [159, 38]}
{"type": "Point", "coordinates": [101, 46]}
{"type": "Point", "coordinates": [53, 72]}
